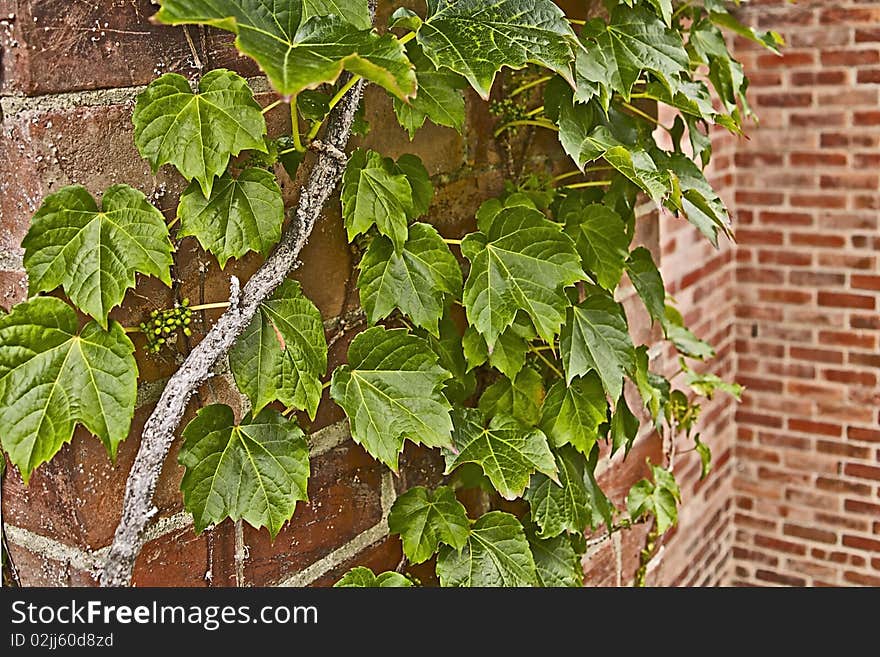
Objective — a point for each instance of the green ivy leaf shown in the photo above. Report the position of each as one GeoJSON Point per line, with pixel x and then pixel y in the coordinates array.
{"type": "Point", "coordinates": [282, 354]}
{"type": "Point", "coordinates": [595, 337]}
{"type": "Point", "coordinates": [635, 40]}
{"type": "Point", "coordinates": [519, 261]}
{"type": "Point", "coordinates": [419, 181]}
{"type": "Point", "coordinates": [255, 471]}
{"type": "Point", "coordinates": [507, 451]}
{"type": "Point", "coordinates": [449, 349]}
{"type": "Point", "coordinates": [496, 554]}
{"type": "Point", "coordinates": [648, 283]}
{"type": "Point", "coordinates": [53, 377]}
{"type": "Point", "coordinates": [659, 498]}
{"type": "Point", "coordinates": [377, 191]}
{"type": "Point", "coordinates": [564, 506]}
{"type": "Point", "coordinates": [603, 509]}
{"type": "Point", "coordinates": [707, 384]}
{"type": "Point", "coordinates": [298, 45]}
{"type": "Point", "coordinates": [361, 577]}
{"type": "Point", "coordinates": [695, 196]}
{"type": "Point", "coordinates": [198, 132]}
{"type": "Point", "coordinates": [425, 519]}
{"type": "Point", "coordinates": [624, 427]}
{"type": "Point", "coordinates": [556, 561]}
{"type": "Point", "coordinates": [476, 39]}
{"type": "Point", "coordinates": [439, 97]}
{"type": "Point", "coordinates": [509, 354]}
{"type": "Point", "coordinates": [769, 39]}
{"type": "Point", "coordinates": [600, 236]}
{"type": "Point", "coordinates": [521, 397]}
{"type": "Point", "coordinates": [390, 391]}
{"type": "Point", "coordinates": [92, 253]}
{"type": "Point", "coordinates": [653, 389]}
{"type": "Point", "coordinates": [242, 214]}
{"type": "Point", "coordinates": [572, 414]}
{"type": "Point", "coordinates": [685, 342]}
{"type": "Point", "coordinates": [705, 456]}
{"type": "Point", "coordinates": [417, 280]}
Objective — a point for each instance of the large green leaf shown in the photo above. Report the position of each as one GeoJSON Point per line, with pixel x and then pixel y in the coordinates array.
{"type": "Point", "coordinates": [624, 427]}
{"type": "Point", "coordinates": [635, 40]}
{"type": "Point", "coordinates": [509, 353]}
{"type": "Point", "coordinates": [496, 554]}
{"type": "Point", "coordinates": [519, 261]}
{"type": "Point", "coordinates": [659, 498]}
{"type": "Point", "coordinates": [449, 349]}
{"type": "Point", "coordinates": [53, 377]}
{"type": "Point", "coordinates": [425, 519]}
{"type": "Point", "coordinates": [507, 451]}
{"type": "Point", "coordinates": [361, 577]}
{"type": "Point", "coordinates": [242, 214]}
{"type": "Point", "coordinates": [694, 195]}
{"type": "Point", "coordinates": [301, 44]}
{"type": "Point", "coordinates": [390, 390]}
{"type": "Point", "coordinates": [556, 561]}
{"type": "Point", "coordinates": [648, 283]}
{"type": "Point", "coordinates": [477, 38]}
{"type": "Point", "coordinates": [94, 253]}
{"type": "Point", "coordinates": [198, 132]}
{"type": "Point", "coordinates": [520, 397]}
{"type": "Point", "coordinates": [282, 354]}
{"type": "Point", "coordinates": [256, 470]}
{"type": "Point", "coordinates": [601, 239]}
{"type": "Point", "coordinates": [439, 97]}
{"type": "Point", "coordinates": [595, 337]}
{"type": "Point", "coordinates": [376, 191]}
{"type": "Point", "coordinates": [572, 414]}
{"type": "Point", "coordinates": [563, 506]}
{"type": "Point", "coordinates": [417, 281]}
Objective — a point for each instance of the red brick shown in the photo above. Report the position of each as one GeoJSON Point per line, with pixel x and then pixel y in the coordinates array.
{"type": "Point", "coordinates": [809, 533]}
{"type": "Point", "coordinates": [850, 57]}
{"type": "Point", "coordinates": [861, 578]}
{"type": "Point", "coordinates": [846, 339]}
{"type": "Point", "coordinates": [858, 506]}
{"type": "Point", "coordinates": [866, 118]}
{"type": "Point", "coordinates": [785, 99]}
{"type": "Point", "coordinates": [850, 377]}
{"type": "Point", "coordinates": [865, 282]}
{"type": "Point", "coordinates": [817, 158]}
{"type": "Point", "coordinates": [862, 471]}
{"type": "Point", "coordinates": [811, 78]}
{"type": "Point", "coordinates": [841, 486]}
{"type": "Point", "coordinates": [862, 543]}
{"type": "Point", "coordinates": [818, 201]}
{"type": "Point", "coordinates": [867, 35]}
{"type": "Point", "coordinates": [779, 545]}
{"type": "Point", "coordinates": [849, 15]}
{"type": "Point", "coordinates": [868, 76]}
{"type": "Point", "coordinates": [817, 240]}
{"type": "Point", "coordinates": [813, 427]}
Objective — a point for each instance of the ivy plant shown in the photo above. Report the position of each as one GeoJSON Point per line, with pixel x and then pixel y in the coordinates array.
{"type": "Point", "coordinates": [506, 351]}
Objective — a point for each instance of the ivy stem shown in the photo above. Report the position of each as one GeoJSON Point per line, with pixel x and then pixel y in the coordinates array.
{"type": "Point", "coordinates": [326, 384]}
{"type": "Point", "coordinates": [535, 111]}
{"type": "Point", "coordinates": [547, 362]}
{"type": "Point", "coordinates": [678, 11]}
{"type": "Point", "coordinates": [529, 85]}
{"type": "Point", "coordinates": [406, 38]}
{"type": "Point", "coordinates": [174, 221]}
{"type": "Point", "coordinates": [513, 124]}
{"type": "Point", "coordinates": [333, 103]}
{"type": "Point", "coordinates": [294, 127]}
{"type": "Point", "coordinates": [268, 108]}
{"type": "Point", "coordinates": [577, 21]}
{"type": "Point", "coordinates": [635, 110]}
{"type": "Point", "coordinates": [132, 329]}
{"type": "Point", "coordinates": [577, 172]}
{"type": "Point", "coordinates": [590, 183]}
{"type": "Point", "coordinates": [456, 242]}
{"type": "Point", "coordinates": [211, 306]}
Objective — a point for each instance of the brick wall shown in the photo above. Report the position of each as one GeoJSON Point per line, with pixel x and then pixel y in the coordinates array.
{"type": "Point", "coordinates": [807, 199]}
{"type": "Point", "coordinates": [68, 76]}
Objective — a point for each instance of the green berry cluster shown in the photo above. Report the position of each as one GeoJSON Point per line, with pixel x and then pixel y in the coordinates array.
{"type": "Point", "coordinates": [163, 326]}
{"type": "Point", "coordinates": [507, 109]}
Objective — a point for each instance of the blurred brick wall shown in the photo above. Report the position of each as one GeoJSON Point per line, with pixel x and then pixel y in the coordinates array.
{"type": "Point", "coordinates": [69, 74]}
{"type": "Point", "coordinates": [808, 193]}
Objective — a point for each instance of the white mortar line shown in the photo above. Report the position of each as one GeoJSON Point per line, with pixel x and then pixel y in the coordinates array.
{"type": "Point", "coordinates": [47, 547]}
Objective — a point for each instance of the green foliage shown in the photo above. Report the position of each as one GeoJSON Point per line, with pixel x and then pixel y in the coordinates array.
{"type": "Point", "coordinates": [391, 390]}
{"type": "Point", "coordinates": [301, 44]}
{"type": "Point", "coordinates": [476, 40]}
{"type": "Point", "coordinates": [242, 214]}
{"type": "Point", "coordinates": [198, 132]}
{"type": "Point", "coordinates": [507, 451]}
{"type": "Point", "coordinates": [256, 470]}
{"type": "Point", "coordinates": [417, 281]}
{"type": "Point", "coordinates": [497, 553]}
{"type": "Point", "coordinates": [54, 376]}
{"type": "Point", "coordinates": [513, 359]}
{"type": "Point", "coordinates": [425, 519]}
{"type": "Point", "coordinates": [519, 261]}
{"type": "Point", "coordinates": [93, 253]}
{"type": "Point", "coordinates": [282, 354]}
{"type": "Point", "coordinates": [361, 577]}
